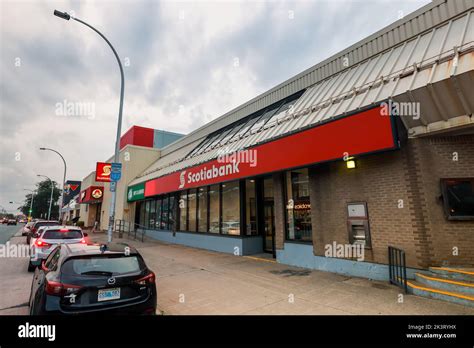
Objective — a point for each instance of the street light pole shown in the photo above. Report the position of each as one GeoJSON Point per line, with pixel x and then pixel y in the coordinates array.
{"type": "Point", "coordinates": [66, 16]}
{"type": "Point", "coordinates": [51, 197]}
{"type": "Point", "coordinates": [64, 178]}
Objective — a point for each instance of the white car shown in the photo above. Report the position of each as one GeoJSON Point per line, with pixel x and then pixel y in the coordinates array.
{"type": "Point", "coordinates": [47, 238]}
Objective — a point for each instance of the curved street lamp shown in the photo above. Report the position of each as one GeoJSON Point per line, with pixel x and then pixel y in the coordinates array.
{"type": "Point", "coordinates": [64, 178]}
{"type": "Point", "coordinates": [51, 197]}
{"type": "Point", "coordinates": [66, 16]}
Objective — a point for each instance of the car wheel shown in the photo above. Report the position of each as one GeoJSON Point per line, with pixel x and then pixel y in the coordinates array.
{"type": "Point", "coordinates": [31, 267]}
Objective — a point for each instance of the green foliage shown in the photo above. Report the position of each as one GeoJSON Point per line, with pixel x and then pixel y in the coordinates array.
{"type": "Point", "coordinates": [41, 200]}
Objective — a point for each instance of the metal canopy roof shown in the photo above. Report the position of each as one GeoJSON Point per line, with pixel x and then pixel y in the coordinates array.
{"type": "Point", "coordinates": [434, 69]}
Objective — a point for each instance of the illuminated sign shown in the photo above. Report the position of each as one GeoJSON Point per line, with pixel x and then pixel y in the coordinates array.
{"type": "Point", "coordinates": [102, 172]}
{"type": "Point", "coordinates": [96, 193]}
{"type": "Point", "coordinates": [302, 206]}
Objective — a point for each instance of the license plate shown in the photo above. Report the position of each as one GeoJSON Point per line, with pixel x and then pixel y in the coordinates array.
{"type": "Point", "coordinates": [108, 294]}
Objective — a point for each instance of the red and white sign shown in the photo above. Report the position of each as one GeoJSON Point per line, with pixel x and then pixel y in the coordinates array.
{"type": "Point", "coordinates": [366, 132]}
{"type": "Point", "coordinates": [102, 172]}
{"type": "Point", "coordinates": [96, 193]}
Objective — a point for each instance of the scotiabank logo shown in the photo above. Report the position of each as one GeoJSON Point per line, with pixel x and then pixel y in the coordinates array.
{"type": "Point", "coordinates": [182, 179]}
{"type": "Point", "coordinates": [102, 172]}
{"type": "Point", "coordinates": [191, 177]}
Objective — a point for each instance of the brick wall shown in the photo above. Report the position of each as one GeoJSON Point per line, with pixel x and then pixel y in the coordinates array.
{"type": "Point", "coordinates": [402, 192]}
{"type": "Point", "coordinates": [436, 162]}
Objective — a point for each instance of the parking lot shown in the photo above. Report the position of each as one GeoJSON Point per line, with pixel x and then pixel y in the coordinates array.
{"type": "Point", "coordinates": [194, 281]}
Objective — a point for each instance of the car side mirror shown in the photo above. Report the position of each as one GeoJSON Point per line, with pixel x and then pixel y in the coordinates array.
{"type": "Point", "coordinates": [85, 234]}
{"type": "Point", "coordinates": [43, 266]}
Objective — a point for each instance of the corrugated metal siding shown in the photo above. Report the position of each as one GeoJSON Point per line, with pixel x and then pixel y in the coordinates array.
{"type": "Point", "coordinates": [413, 24]}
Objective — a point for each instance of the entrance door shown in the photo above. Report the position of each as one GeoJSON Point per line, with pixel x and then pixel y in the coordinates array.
{"type": "Point", "coordinates": [268, 217]}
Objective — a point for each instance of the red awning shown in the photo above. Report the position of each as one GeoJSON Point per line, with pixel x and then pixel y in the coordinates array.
{"type": "Point", "coordinates": [362, 133]}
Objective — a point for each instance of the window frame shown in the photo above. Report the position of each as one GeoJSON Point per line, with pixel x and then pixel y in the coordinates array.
{"type": "Point", "coordinates": [444, 198]}
{"type": "Point", "coordinates": [285, 195]}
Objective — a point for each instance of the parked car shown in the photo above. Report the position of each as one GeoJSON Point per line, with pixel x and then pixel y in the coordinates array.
{"type": "Point", "coordinates": [47, 238]}
{"type": "Point", "coordinates": [37, 224]}
{"type": "Point", "coordinates": [11, 222]}
{"type": "Point", "coordinates": [26, 229]}
{"type": "Point", "coordinates": [93, 279]}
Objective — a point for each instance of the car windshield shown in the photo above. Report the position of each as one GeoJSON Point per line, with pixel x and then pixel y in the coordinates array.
{"type": "Point", "coordinates": [58, 234]}
{"type": "Point", "coordinates": [102, 265]}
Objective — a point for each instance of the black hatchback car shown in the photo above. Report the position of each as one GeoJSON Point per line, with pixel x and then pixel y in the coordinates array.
{"type": "Point", "coordinates": [93, 279]}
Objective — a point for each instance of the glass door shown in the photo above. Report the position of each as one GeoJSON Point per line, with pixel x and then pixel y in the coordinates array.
{"type": "Point", "coordinates": [268, 217]}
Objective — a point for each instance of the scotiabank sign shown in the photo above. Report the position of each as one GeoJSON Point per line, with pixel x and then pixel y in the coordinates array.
{"type": "Point", "coordinates": [102, 172]}
{"type": "Point", "coordinates": [366, 132]}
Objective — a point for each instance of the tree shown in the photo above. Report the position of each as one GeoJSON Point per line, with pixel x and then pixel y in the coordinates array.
{"type": "Point", "coordinates": [41, 201]}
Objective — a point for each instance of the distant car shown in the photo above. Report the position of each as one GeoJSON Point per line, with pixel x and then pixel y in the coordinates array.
{"type": "Point", "coordinates": [4, 220]}
{"type": "Point", "coordinates": [11, 222]}
{"type": "Point", "coordinates": [36, 225]}
{"type": "Point", "coordinates": [93, 279]}
{"type": "Point", "coordinates": [23, 221]}
{"type": "Point", "coordinates": [48, 237]}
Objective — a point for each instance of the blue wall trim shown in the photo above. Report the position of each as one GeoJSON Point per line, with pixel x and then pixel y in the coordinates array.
{"type": "Point", "coordinates": [301, 255]}
{"type": "Point", "coordinates": [231, 245]}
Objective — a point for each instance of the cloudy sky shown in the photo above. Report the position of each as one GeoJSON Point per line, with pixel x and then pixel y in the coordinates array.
{"type": "Point", "coordinates": [186, 63]}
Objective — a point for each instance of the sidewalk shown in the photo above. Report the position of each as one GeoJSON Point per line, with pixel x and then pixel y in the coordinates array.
{"type": "Point", "coordinates": [195, 281]}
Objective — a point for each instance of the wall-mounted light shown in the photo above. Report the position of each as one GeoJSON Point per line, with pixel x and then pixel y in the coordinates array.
{"type": "Point", "coordinates": [351, 163]}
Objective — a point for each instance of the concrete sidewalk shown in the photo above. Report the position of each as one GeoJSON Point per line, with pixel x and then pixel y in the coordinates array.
{"type": "Point", "coordinates": [195, 281]}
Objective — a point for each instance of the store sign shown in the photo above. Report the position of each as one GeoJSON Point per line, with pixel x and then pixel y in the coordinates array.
{"type": "Point", "coordinates": [362, 133]}
{"type": "Point", "coordinates": [97, 193]}
{"type": "Point", "coordinates": [136, 192]}
{"type": "Point", "coordinates": [102, 172]}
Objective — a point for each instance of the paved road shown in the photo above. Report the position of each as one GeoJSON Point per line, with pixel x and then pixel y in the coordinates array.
{"type": "Point", "coordinates": [6, 232]}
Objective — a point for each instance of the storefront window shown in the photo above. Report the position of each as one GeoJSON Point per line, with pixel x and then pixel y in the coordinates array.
{"type": "Point", "coordinates": [231, 208]}
{"type": "Point", "coordinates": [192, 210]}
{"type": "Point", "coordinates": [202, 209]}
{"type": "Point", "coordinates": [171, 213]}
{"type": "Point", "coordinates": [250, 208]}
{"type": "Point", "coordinates": [164, 213]}
{"type": "Point", "coordinates": [298, 206]}
{"type": "Point", "coordinates": [158, 214]}
{"type": "Point", "coordinates": [183, 204]}
{"type": "Point", "coordinates": [214, 209]}
{"type": "Point", "coordinates": [152, 216]}
{"type": "Point", "coordinates": [147, 214]}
